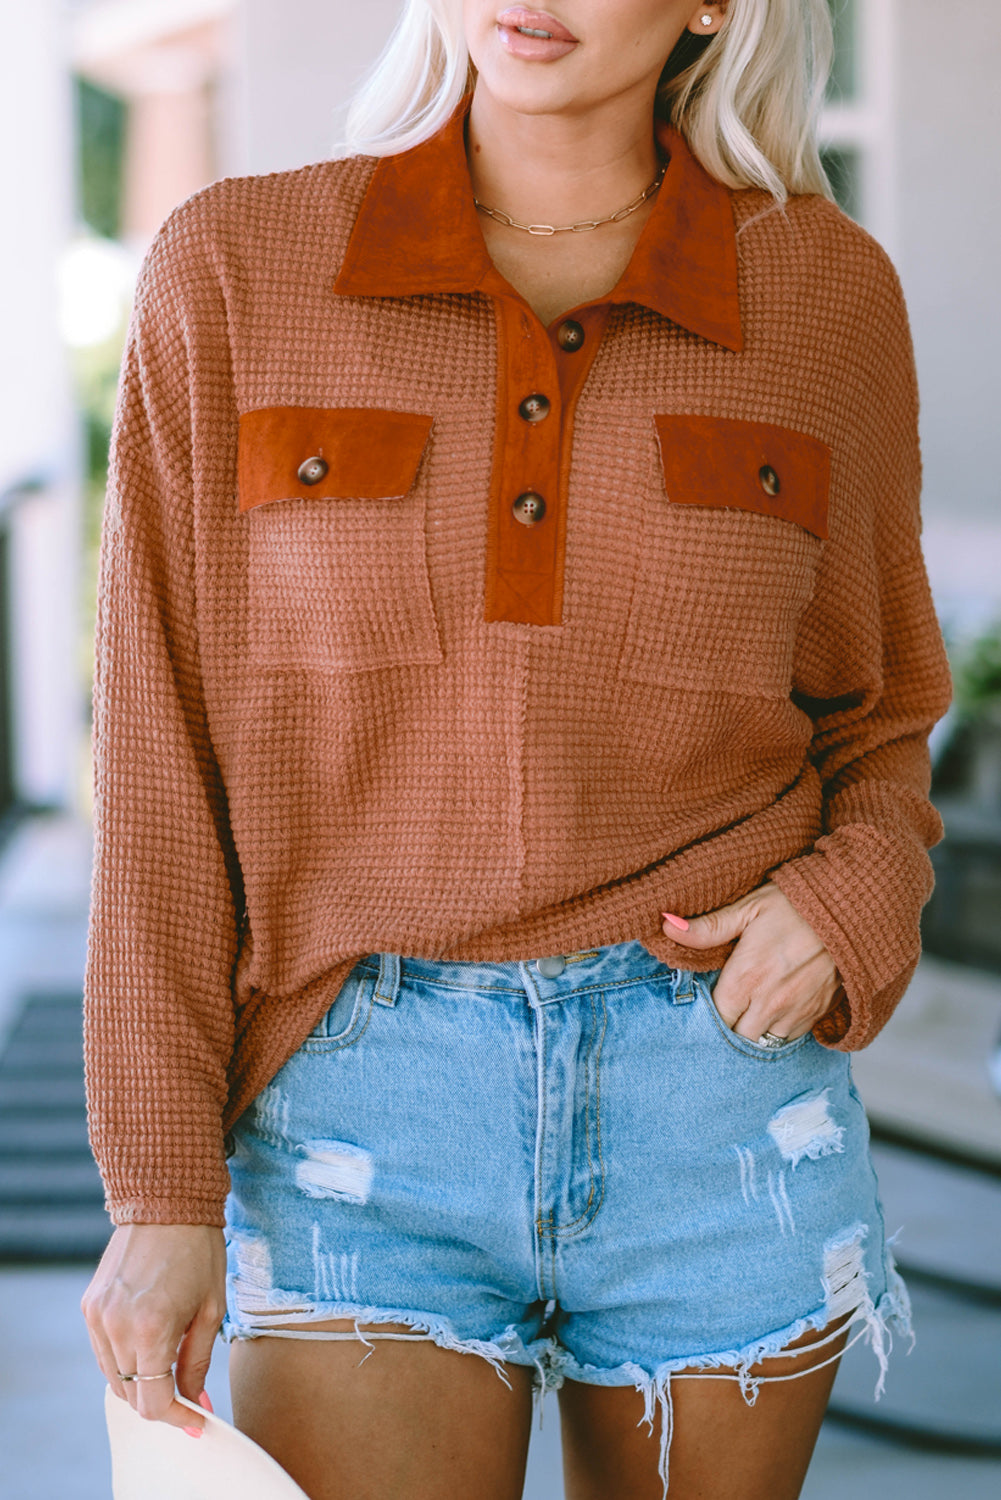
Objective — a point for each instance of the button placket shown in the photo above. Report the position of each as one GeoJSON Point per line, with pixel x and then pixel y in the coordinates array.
{"type": "Point", "coordinates": [529, 508]}
{"type": "Point", "coordinates": [540, 375]}
{"type": "Point", "coordinates": [521, 572]}
{"type": "Point", "coordinates": [570, 335]}
{"type": "Point", "coordinates": [534, 408]}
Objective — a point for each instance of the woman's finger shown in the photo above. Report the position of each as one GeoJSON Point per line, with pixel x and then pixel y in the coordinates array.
{"type": "Point", "coordinates": [778, 1026]}
{"type": "Point", "coordinates": [158, 1403]}
{"type": "Point", "coordinates": [154, 1395]}
{"type": "Point", "coordinates": [789, 1018]}
{"type": "Point", "coordinates": [131, 1361]}
{"type": "Point", "coordinates": [780, 977]}
{"type": "Point", "coordinates": [195, 1353]}
{"type": "Point", "coordinates": [106, 1361]}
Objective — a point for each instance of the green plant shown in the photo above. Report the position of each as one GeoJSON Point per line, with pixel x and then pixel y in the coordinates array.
{"type": "Point", "coordinates": [95, 371]}
{"type": "Point", "coordinates": [978, 676]}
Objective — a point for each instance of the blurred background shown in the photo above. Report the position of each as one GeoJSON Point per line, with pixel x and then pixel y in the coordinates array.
{"type": "Point", "coordinates": [111, 112]}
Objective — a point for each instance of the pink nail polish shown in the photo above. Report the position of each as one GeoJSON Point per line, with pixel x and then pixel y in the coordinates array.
{"type": "Point", "coordinates": [203, 1400]}
{"type": "Point", "coordinates": [675, 921]}
{"type": "Point", "coordinates": [192, 1431]}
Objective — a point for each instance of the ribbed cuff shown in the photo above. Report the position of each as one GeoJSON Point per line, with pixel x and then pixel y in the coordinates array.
{"type": "Point", "coordinates": [210, 1211]}
{"type": "Point", "coordinates": [862, 1011]}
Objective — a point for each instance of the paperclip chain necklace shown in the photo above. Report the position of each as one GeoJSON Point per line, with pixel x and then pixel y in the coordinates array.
{"type": "Point", "coordinates": [584, 224]}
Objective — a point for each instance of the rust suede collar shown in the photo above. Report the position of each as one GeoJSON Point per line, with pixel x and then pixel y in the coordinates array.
{"type": "Point", "coordinates": [417, 231]}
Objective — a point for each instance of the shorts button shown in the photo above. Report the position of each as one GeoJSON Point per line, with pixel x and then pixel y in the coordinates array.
{"type": "Point", "coordinates": [551, 968]}
{"type": "Point", "coordinates": [769, 480]}
{"type": "Point", "coordinates": [570, 335]}
{"type": "Point", "coordinates": [312, 471]}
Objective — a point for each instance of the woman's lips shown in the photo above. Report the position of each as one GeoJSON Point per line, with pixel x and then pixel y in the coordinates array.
{"type": "Point", "coordinates": [534, 35]}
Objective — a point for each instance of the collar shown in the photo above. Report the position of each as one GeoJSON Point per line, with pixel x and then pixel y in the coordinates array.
{"type": "Point", "coordinates": [418, 231]}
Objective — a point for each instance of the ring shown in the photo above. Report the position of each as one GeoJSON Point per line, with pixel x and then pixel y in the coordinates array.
{"type": "Point", "coordinates": [769, 1039]}
{"type": "Point", "coordinates": [167, 1375]}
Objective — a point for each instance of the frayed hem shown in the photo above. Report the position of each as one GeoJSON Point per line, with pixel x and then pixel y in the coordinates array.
{"type": "Point", "coordinates": [507, 1348]}
{"type": "Point", "coordinates": [879, 1321]}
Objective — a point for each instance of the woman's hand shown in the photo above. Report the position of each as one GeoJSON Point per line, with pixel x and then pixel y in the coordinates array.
{"type": "Point", "coordinates": [158, 1295]}
{"type": "Point", "coordinates": [779, 977]}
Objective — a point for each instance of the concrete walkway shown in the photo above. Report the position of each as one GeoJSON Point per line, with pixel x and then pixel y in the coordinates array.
{"type": "Point", "coordinates": [927, 1075]}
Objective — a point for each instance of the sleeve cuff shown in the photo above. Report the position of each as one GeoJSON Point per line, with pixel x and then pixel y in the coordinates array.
{"type": "Point", "coordinates": [867, 998]}
{"type": "Point", "coordinates": [209, 1211]}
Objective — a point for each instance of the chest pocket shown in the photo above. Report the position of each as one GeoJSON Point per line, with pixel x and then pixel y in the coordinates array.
{"type": "Point", "coordinates": [727, 556]}
{"type": "Point", "coordinates": [337, 558]}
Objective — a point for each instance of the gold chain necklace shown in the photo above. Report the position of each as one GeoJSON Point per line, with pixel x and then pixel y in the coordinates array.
{"type": "Point", "coordinates": [584, 224]}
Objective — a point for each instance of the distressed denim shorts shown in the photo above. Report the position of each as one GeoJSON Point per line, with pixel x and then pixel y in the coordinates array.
{"type": "Point", "coordinates": [567, 1163]}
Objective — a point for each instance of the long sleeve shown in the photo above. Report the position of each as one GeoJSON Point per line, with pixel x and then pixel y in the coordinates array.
{"type": "Point", "coordinates": [871, 671]}
{"type": "Point", "coordinates": [165, 899]}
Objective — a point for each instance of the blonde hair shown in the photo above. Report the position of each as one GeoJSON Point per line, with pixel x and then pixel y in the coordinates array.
{"type": "Point", "coordinates": [747, 106]}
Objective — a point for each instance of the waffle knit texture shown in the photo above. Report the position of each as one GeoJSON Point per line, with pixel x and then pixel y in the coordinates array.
{"type": "Point", "coordinates": [313, 744]}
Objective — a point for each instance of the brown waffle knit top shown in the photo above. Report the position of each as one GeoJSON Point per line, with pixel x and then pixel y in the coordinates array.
{"type": "Point", "coordinates": [355, 693]}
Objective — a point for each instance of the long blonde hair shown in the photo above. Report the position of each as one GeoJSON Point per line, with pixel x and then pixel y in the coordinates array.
{"type": "Point", "coordinates": [747, 105]}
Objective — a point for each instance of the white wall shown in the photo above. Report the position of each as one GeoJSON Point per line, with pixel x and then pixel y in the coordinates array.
{"type": "Point", "coordinates": [948, 124]}
{"type": "Point", "coordinates": [298, 63]}
{"type": "Point", "coordinates": [38, 434]}
{"type": "Point", "coordinates": [34, 141]}
{"type": "Point", "coordinates": [949, 153]}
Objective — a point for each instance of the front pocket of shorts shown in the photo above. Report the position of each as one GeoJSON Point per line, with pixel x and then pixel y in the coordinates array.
{"type": "Point", "coordinates": [348, 1017]}
{"type": "Point", "coordinates": [703, 985]}
{"type": "Point", "coordinates": [727, 556]}
{"type": "Point", "coordinates": [338, 566]}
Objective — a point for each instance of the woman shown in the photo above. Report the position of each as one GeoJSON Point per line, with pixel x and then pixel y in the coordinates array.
{"type": "Point", "coordinates": [516, 664]}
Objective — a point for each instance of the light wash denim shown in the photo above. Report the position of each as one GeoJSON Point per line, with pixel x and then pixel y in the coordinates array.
{"type": "Point", "coordinates": [588, 1173]}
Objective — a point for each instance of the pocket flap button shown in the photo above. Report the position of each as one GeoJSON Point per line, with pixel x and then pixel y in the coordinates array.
{"type": "Point", "coordinates": [313, 470]}
{"type": "Point", "coordinates": [529, 508]}
{"type": "Point", "coordinates": [769, 480]}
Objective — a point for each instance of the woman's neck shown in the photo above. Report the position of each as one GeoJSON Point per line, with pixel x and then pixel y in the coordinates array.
{"type": "Point", "coordinates": [559, 169]}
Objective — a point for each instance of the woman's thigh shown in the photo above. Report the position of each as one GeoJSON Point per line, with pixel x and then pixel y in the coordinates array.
{"type": "Point", "coordinates": [418, 1423]}
{"type": "Point", "coordinates": [735, 1244]}
{"type": "Point", "coordinates": [381, 1306]}
{"type": "Point", "coordinates": [720, 1447]}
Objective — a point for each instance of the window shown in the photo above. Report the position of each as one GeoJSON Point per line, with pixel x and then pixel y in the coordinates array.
{"type": "Point", "coordinates": [843, 167]}
{"type": "Point", "coordinates": [844, 73]}
{"type": "Point", "coordinates": [101, 123]}
{"type": "Point", "coordinates": [857, 121]}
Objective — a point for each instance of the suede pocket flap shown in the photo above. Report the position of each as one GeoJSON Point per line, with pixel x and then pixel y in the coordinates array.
{"type": "Point", "coordinates": [753, 466]}
{"type": "Point", "coordinates": [318, 453]}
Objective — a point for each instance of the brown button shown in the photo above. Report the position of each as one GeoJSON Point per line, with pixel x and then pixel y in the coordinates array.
{"type": "Point", "coordinates": [570, 335]}
{"type": "Point", "coordinates": [312, 471]}
{"type": "Point", "coordinates": [769, 480]}
{"type": "Point", "coordinates": [534, 408]}
{"type": "Point", "coordinates": [529, 508]}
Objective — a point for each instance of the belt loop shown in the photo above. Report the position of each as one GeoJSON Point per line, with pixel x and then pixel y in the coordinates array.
{"type": "Point", "coordinates": [387, 986]}
{"type": "Point", "coordinates": [684, 989]}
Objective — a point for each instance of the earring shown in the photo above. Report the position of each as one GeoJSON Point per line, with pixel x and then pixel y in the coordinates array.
{"type": "Point", "coordinates": [706, 20]}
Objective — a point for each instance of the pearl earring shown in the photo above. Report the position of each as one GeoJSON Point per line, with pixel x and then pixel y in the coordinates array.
{"type": "Point", "coordinates": [707, 20]}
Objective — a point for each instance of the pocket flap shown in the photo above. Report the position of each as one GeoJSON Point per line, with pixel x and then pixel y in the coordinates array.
{"type": "Point", "coordinates": [362, 453]}
{"type": "Point", "coordinates": [748, 465]}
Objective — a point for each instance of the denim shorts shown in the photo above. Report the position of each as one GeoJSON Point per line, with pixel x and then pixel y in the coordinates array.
{"type": "Point", "coordinates": [567, 1163]}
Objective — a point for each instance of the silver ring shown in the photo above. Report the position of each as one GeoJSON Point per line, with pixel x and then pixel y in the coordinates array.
{"type": "Point", "coordinates": [769, 1039]}
{"type": "Point", "coordinates": [167, 1375]}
